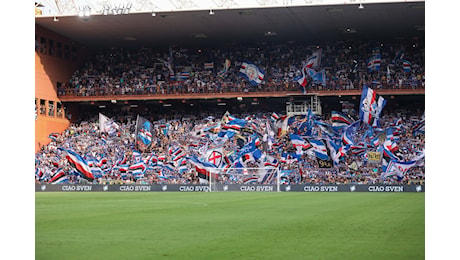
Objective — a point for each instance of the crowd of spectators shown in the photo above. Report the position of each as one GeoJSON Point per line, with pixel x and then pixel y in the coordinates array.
{"type": "Point", "coordinates": [195, 135]}
{"type": "Point", "coordinates": [149, 71]}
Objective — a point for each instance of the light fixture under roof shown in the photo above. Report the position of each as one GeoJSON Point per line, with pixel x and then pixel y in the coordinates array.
{"type": "Point", "coordinates": [360, 6]}
{"type": "Point", "coordinates": [270, 33]}
{"type": "Point", "coordinates": [348, 30]}
{"type": "Point", "coordinates": [247, 12]}
{"type": "Point", "coordinates": [200, 36]}
{"type": "Point", "coordinates": [334, 9]}
{"type": "Point", "coordinates": [211, 12]}
{"type": "Point", "coordinates": [129, 38]}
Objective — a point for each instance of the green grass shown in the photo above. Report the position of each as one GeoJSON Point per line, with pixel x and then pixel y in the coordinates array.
{"type": "Point", "coordinates": [232, 225]}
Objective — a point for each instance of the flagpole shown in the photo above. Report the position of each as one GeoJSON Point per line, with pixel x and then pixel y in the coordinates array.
{"type": "Point", "coordinates": [209, 181]}
{"type": "Point", "coordinates": [278, 179]}
{"type": "Point", "coordinates": [135, 132]}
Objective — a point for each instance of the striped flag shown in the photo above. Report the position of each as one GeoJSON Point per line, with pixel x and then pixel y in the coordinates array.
{"type": "Point", "coordinates": [406, 66]}
{"type": "Point", "coordinates": [373, 63]}
{"type": "Point", "coordinates": [339, 119]}
{"type": "Point", "coordinates": [320, 149]}
{"type": "Point", "coordinates": [58, 176]}
{"type": "Point", "coordinates": [53, 136]}
{"type": "Point", "coordinates": [370, 107]}
{"type": "Point", "coordinates": [209, 65]}
{"type": "Point", "coordinates": [314, 61]}
{"type": "Point", "coordinates": [250, 180]}
{"type": "Point", "coordinates": [234, 125]}
{"type": "Point", "coordinates": [79, 164]}
{"type": "Point", "coordinates": [302, 79]}
{"type": "Point", "coordinates": [298, 142]}
{"type": "Point", "coordinates": [204, 169]}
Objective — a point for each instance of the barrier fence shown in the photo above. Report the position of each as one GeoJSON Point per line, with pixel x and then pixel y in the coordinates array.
{"type": "Point", "coordinates": [227, 188]}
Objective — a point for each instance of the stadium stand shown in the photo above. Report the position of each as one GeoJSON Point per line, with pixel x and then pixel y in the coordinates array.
{"type": "Point", "coordinates": [81, 139]}
{"type": "Point", "coordinates": [183, 70]}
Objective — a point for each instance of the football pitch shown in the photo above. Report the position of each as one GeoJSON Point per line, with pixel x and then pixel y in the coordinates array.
{"type": "Point", "coordinates": [229, 225]}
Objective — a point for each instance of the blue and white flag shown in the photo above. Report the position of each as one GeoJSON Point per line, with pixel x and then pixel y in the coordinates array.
{"type": "Point", "coordinates": [314, 61]}
{"type": "Point", "coordinates": [143, 131]}
{"type": "Point", "coordinates": [370, 107]}
{"type": "Point", "coordinates": [78, 163]}
{"type": "Point", "coordinates": [252, 73]}
{"type": "Point", "coordinates": [320, 149]}
{"type": "Point", "coordinates": [374, 62]}
{"type": "Point", "coordinates": [299, 143]}
{"type": "Point", "coordinates": [317, 77]}
{"type": "Point", "coordinates": [406, 66]}
{"type": "Point", "coordinates": [106, 125]}
{"type": "Point", "coordinates": [398, 168]}
{"type": "Point", "coordinates": [338, 119]}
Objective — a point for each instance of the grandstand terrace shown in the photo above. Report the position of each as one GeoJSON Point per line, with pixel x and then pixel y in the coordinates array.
{"type": "Point", "coordinates": [169, 63]}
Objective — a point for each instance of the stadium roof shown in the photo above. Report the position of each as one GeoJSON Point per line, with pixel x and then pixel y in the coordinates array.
{"type": "Point", "coordinates": [203, 27]}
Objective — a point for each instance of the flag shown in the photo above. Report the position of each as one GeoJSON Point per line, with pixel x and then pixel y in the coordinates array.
{"type": "Point", "coordinates": [314, 61]}
{"type": "Point", "coordinates": [204, 169]}
{"type": "Point", "coordinates": [227, 64]}
{"type": "Point", "coordinates": [418, 128]}
{"type": "Point", "coordinates": [282, 126]}
{"type": "Point", "coordinates": [143, 131]}
{"type": "Point", "coordinates": [39, 175]}
{"type": "Point", "coordinates": [398, 168]}
{"type": "Point", "coordinates": [234, 125]}
{"type": "Point", "coordinates": [106, 125]}
{"type": "Point", "coordinates": [317, 77]}
{"type": "Point", "coordinates": [399, 56]}
{"type": "Point", "coordinates": [302, 80]}
{"type": "Point", "coordinates": [177, 154]}
{"type": "Point", "coordinates": [406, 66]}
{"type": "Point", "coordinates": [251, 73]}
{"type": "Point", "coordinates": [271, 161]}
{"type": "Point", "coordinates": [373, 63]}
{"type": "Point", "coordinates": [184, 75]}
{"type": "Point", "coordinates": [96, 171]}
{"type": "Point", "coordinates": [250, 180]}
{"type": "Point", "coordinates": [370, 108]}
{"type": "Point", "coordinates": [137, 169]}
{"type": "Point", "coordinates": [320, 149]}
{"type": "Point", "coordinates": [53, 136]}
{"type": "Point", "coordinates": [137, 166]}
{"type": "Point", "coordinates": [215, 156]}
{"type": "Point", "coordinates": [209, 65]}
{"type": "Point", "coordinates": [267, 175]}
{"type": "Point", "coordinates": [299, 143]}
{"type": "Point", "coordinates": [339, 119]}
{"type": "Point", "coordinates": [57, 176]}
{"type": "Point", "coordinates": [274, 117]}
{"type": "Point", "coordinates": [79, 164]}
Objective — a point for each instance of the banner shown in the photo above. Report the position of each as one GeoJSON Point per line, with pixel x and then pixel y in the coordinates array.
{"type": "Point", "coordinates": [251, 73]}
{"type": "Point", "coordinates": [46, 187]}
{"type": "Point", "coordinates": [374, 157]}
{"type": "Point", "coordinates": [143, 132]}
{"type": "Point", "coordinates": [323, 164]}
